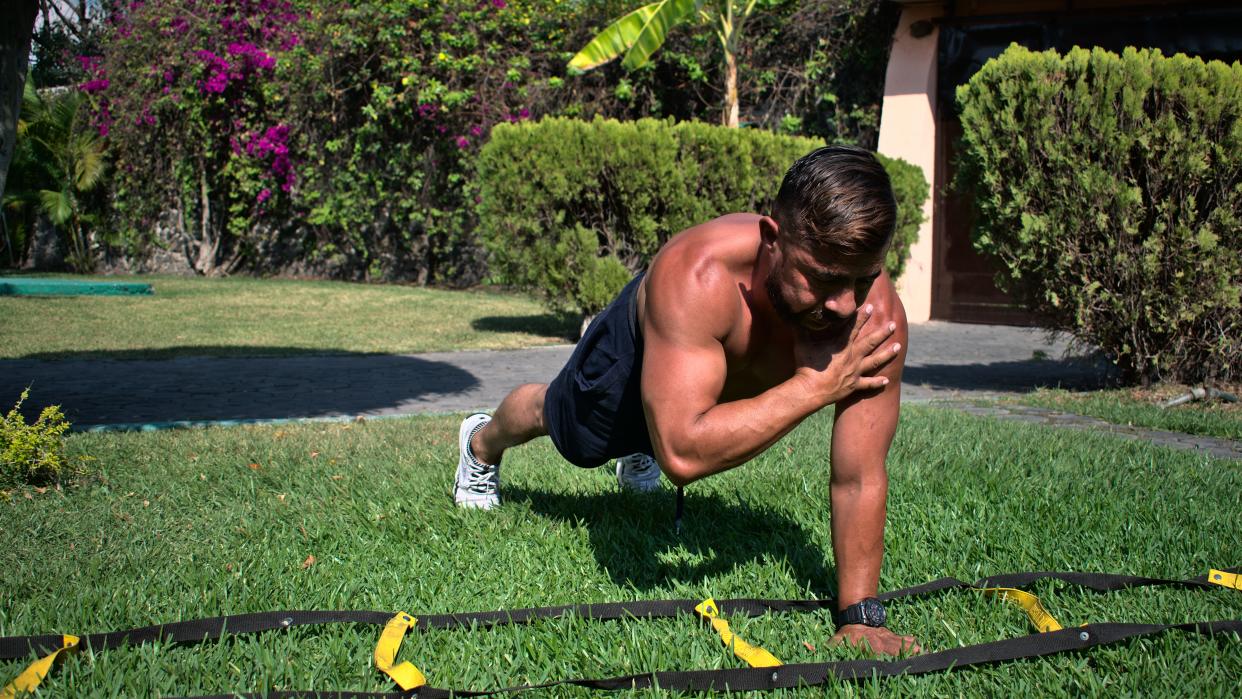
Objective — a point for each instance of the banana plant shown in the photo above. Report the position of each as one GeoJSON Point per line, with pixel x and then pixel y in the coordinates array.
{"type": "Point", "coordinates": [639, 34]}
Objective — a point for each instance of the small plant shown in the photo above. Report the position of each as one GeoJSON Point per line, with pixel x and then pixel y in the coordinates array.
{"type": "Point", "coordinates": [34, 454]}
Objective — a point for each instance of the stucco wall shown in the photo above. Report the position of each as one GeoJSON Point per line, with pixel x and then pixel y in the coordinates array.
{"type": "Point", "coordinates": [908, 131]}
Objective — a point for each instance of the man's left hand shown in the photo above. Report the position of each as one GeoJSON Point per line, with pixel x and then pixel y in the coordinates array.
{"type": "Point", "coordinates": [880, 640]}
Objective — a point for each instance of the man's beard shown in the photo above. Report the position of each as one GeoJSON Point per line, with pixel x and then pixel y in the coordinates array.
{"type": "Point", "coordinates": [783, 309]}
{"type": "Point", "coordinates": [815, 316]}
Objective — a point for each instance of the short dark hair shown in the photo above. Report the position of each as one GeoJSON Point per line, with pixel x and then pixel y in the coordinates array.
{"type": "Point", "coordinates": [837, 199]}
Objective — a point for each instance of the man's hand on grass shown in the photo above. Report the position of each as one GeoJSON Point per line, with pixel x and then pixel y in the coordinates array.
{"type": "Point", "coordinates": [879, 640]}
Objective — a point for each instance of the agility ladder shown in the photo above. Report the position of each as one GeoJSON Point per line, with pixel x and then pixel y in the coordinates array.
{"type": "Point", "coordinates": [765, 671]}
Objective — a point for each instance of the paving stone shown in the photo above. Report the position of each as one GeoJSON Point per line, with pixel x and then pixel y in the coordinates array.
{"type": "Point", "coordinates": [948, 364]}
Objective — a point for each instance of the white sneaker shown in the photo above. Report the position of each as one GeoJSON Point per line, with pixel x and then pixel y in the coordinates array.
{"type": "Point", "coordinates": [638, 472]}
{"type": "Point", "coordinates": [477, 484]}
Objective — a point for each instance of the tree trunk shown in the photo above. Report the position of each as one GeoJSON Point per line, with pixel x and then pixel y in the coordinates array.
{"type": "Point", "coordinates": [15, 35]}
{"type": "Point", "coordinates": [730, 117]}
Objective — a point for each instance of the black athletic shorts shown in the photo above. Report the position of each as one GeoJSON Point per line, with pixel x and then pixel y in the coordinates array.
{"type": "Point", "coordinates": [593, 409]}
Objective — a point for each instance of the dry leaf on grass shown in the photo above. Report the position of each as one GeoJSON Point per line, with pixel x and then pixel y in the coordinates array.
{"type": "Point", "coordinates": [310, 561]}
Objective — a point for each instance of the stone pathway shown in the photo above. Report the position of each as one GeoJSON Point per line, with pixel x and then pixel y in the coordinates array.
{"type": "Point", "coordinates": [948, 364]}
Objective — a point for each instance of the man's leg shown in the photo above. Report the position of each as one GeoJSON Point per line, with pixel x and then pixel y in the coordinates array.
{"type": "Point", "coordinates": [518, 420]}
{"type": "Point", "coordinates": [482, 441]}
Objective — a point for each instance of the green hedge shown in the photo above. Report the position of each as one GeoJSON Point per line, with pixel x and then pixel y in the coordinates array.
{"type": "Point", "coordinates": [573, 208]}
{"type": "Point", "coordinates": [1110, 189]}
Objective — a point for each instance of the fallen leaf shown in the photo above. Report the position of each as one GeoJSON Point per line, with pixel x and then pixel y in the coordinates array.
{"type": "Point", "coordinates": [281, 497]}
{"type": "Point", "coordinates": [254, 467]}
{"type": "Point", "coordinates": [40, 490]}
{"type": "Point", "coordinates": [146, 503]}
{"type": "Point", "coordinates": [28, 495]}
{"type": "Point", "coordinates": [337, 477]}
{"type": "Point", "coordinates": [202, 476]}
{"type": "Point", "coordinates": [303, 530]}
{"type": "Point", "coordinates": [314, 454]}
{"type": "Point", "coordinates": [310, 561]}
{"type": "Point", "coordinates": [809, 646]}
{"type": "Point", "coordinates": [228, 567]}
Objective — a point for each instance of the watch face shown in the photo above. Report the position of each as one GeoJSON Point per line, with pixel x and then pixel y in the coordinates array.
{"type": "Point", "coordinates": [873, 612]}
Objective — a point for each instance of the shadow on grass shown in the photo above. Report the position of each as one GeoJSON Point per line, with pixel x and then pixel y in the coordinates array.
{"type": "Point", "coordinates": [295, 384]}
{"type": "Point", "coordinates": [186, 351]}
{"type": "Point", "coordinates": [563, 326]}
{"type": "Point", "coordinates": [632, 536]}
{"type": "Point", "coordinates": [1020, 377]}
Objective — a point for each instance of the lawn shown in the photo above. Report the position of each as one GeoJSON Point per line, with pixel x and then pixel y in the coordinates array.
{"type": "Point", "coordinates": [236, 316]}
{"type": "Point", "coordinates": [1140, 407]}
{"type": "Point", "coordinates": [194, 523]}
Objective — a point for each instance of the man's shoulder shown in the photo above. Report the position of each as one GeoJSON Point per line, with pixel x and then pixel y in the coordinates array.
{"type": "Point", "coordinates": [696, 281]}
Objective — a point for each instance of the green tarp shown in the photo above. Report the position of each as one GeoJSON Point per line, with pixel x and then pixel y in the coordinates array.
{"type": "Point", "coordinates": [70, 287]}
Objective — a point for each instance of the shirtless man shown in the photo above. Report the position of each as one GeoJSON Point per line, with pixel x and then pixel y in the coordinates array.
{"type": "Point", "coordinates": [740, 329]}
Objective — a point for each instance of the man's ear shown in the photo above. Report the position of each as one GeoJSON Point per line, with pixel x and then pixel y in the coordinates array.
{"type": "Point", "coordinates": [769, 231]}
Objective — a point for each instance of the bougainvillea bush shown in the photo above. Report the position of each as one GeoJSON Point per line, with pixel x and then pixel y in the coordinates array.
{"type": "Point", "coordinates": [338, 139]}
{"type": "Point", "coordinates": [189, 95]}
{"type": "Point", "coordinates": [255, 133]}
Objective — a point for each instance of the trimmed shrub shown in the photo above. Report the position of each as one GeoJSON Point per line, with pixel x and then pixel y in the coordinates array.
{"type": "Point", "coordinates": [1110, 189]}
{"type": "Point", "coordinates": [33, 454]}
{"type": "Point", "coordinates": [573, 209]}
{"type": "Point", "coordinates": [911, 190]}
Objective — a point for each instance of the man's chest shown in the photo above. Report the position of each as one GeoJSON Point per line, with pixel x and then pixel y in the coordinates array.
{"type": "Point", "coordinates": [756, 362]}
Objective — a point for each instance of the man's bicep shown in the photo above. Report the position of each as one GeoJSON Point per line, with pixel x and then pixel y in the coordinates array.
{"type": "Point", "coordinates": [681, 381]}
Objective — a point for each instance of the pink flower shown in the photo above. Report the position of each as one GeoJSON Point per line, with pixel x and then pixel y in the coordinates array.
{"type": "Point", "coordinates": [499, 4]}
{"type": "Point", "coordinates": [463, 142]}
{"type": "Point", "coordinates": [96, 85]}
{"type": "Point", "coordinates": [476, 131]}
{"type": "Point", "coordinates": [264, 195]}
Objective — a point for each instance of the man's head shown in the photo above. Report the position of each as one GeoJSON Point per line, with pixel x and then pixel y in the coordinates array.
{"type": "Point", "coordinates": [834, 217]}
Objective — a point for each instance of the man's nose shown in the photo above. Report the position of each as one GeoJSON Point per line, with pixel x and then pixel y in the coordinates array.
{"type": "Point", "coordinates": [842, 304]}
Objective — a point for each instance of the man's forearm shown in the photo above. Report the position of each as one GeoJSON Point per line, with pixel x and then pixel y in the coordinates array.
{"type": "Point", "coordinates": [733, 433]}
{"type": "Point", "coordinates": [858, 514]}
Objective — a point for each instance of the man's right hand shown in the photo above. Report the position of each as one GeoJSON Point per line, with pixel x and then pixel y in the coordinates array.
{"type": "Point", "coordinates": [833, 370]}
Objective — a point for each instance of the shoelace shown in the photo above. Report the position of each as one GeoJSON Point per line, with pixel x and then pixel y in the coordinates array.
{"type": "Point", "coordinates": [480, 477]}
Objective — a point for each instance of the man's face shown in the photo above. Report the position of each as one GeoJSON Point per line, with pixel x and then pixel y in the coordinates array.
{"type": "Point", "coordinates": [816, 293]}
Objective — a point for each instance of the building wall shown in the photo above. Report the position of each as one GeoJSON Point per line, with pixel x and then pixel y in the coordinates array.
{"type": "Point", "coordinates": [908, 131]}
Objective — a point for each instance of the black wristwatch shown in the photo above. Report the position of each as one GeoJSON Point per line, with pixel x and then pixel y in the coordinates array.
{"type": "Point", "coordinates": [868, 612]}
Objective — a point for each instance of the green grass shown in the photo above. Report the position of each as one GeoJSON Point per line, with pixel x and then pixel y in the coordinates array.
{"type": "Point", "coordinates": [1141, 409]}
{"type": "Point", "coordinates": [236, 316]}
{"type": "Point", "coordinates": [179, 526]}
